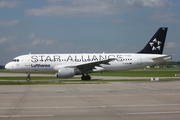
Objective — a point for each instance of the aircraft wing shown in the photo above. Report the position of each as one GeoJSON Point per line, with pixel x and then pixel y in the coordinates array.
{"type": "Point", "coordinates": [91, 65]}
{"type": "Point", "coordinates": [86, 67]}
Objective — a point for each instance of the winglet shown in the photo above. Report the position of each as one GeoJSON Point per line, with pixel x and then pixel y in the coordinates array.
{"type": "Point", "coordinates": [156, 43]}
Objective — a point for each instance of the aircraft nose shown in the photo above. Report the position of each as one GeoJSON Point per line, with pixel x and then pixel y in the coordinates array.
{"type": "Point", "coordinates": [8, 66]}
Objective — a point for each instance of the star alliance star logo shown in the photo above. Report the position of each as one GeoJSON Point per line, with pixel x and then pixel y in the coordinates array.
{"type": "Point", "coordinates": [155, 44]}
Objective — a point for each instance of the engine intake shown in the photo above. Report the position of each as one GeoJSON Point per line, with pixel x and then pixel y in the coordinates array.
{"type": "Point", "coordinates": [66, 72]}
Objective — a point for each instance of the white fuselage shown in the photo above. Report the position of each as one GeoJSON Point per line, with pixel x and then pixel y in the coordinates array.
{"type": "Point", "coordinates": [68, 65]}
{"type": "Point", "coordinates": [52, 62]}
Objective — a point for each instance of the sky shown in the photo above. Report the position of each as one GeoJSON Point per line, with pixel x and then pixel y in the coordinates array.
{"type": "Point", "coordinates": [85, 26]}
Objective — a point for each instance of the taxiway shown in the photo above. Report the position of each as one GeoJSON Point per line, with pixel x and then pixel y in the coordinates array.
{"type": "Point", "coordinates": [113, 101]}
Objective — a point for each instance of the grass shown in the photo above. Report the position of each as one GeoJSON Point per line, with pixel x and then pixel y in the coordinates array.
{"type": "Point", "coordinates": [24, 83]}
{"type": "Point", "coordinates": [61, 82]}
{"type": "Point", "coordinates": [33, 78]}
{"type": "Point", "coordinates": [49, 82]}
{"type": "Point", "coordinates": [161, 72]}
{"type": "Point", "coordinates": [140, 74]}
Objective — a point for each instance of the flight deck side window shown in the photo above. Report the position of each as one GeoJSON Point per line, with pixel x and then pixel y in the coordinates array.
{"type": "Point", "coordinates": [15, 60]}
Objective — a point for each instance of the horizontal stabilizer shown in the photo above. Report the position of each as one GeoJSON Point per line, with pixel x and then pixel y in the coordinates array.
{"type": "Point", "coordinates": [165, 57]}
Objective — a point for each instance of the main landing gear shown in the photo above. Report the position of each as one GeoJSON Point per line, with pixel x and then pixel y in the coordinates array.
{"type": "Point", "coordinates": [28, 77]}
{"type": "Point", "coordinates": [85, 77]}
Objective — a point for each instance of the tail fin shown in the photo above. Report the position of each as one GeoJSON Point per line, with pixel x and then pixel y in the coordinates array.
{"type": "Point", "coordinates": [156, 43]}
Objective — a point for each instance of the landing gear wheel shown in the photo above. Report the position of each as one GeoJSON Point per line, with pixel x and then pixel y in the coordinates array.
{"type": "Point", "coordinates": [87, 77]}
{"type": "Point", "coordinates": [82, 77]}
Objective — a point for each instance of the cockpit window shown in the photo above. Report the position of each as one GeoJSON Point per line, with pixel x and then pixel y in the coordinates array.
{"type": "Point", "coordinates": [15, 60]}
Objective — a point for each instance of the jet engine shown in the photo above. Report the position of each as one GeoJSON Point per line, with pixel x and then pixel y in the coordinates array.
{"type": "Point", "coordinates": [66, 72]}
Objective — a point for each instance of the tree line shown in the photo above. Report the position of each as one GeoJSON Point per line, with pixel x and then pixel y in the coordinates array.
{"type": "Point", "coordinates": [1, 67]}
{"type": "Point", "coordinates": [168, 64]}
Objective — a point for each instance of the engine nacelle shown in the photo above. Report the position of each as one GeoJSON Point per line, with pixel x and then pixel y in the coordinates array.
{"type": "Point", "coordinates": [66, 72]}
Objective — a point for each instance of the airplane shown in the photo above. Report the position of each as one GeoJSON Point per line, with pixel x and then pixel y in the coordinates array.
{"type": "Point", "coordinates": [69, 65]}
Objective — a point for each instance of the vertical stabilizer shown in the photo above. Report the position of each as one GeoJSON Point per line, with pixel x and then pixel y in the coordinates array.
{"type": "Point", "coordinates": [156, 43]}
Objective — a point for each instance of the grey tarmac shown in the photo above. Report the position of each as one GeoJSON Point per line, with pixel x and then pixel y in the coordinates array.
{"type": "Point", "coordinates": [112, 101]}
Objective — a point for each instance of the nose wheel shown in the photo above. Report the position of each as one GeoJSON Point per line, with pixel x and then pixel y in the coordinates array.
{"type": "Point", "coordinates": [28, 77]}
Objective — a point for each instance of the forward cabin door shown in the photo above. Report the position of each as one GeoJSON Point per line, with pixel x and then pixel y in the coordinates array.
{"type": "Point", "coordinates": [27, 60]}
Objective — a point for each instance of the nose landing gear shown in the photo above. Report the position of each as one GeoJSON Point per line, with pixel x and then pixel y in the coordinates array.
{"type": "Point", "coordinates": [28, 77]}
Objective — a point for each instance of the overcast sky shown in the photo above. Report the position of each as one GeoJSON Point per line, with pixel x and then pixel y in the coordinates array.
{"type": "Point", "coordinates": [85, 26]}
